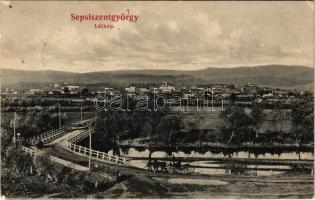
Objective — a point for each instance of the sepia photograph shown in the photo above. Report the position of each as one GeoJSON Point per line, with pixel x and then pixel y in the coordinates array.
{"type": "Point", "coordinates": [157, 99]}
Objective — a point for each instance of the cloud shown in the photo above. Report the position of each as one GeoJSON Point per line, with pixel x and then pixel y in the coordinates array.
{"type": "Point", "coordinates": [5, 3]}
{"type": "Point", "coordinates": [183, 36]}
{"type": "Point", "coordinates": [310, 4]}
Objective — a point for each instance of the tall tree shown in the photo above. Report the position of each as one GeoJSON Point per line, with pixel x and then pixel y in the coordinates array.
{"type": "Point", "coordinates": [36, 122]}
{"type": "Point", "coordinates": [257, 118]}
{"type": "Point", "coordinates": [237, 125]}
{"type": "Point", "coordinates": [108, 128]}
{"type": "Point", "coordinates": [303, 120]}
{"type": "Point", "coordinates": [169, 125]}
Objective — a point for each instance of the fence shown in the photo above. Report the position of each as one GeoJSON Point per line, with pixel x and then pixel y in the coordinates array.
{"type": "Point", "coordinates": [72, 146]}
{"type": "Point", "coordinates": [32, 152]}
{"type": "Point", "coordinates": [98, 155]}
{"type": "Point", "coordinates": [48, 135]}
{"type": "Point", "coordinates": [81, 136]}
{"type": "Point", "coordinates": [54, 159]}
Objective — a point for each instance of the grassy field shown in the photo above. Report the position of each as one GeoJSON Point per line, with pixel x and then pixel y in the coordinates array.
{"type": "Point", "coordinates": [237, 187]}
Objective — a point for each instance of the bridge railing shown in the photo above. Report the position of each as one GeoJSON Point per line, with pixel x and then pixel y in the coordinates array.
{"type": "Point", "coordinates": [83, 124]}
{"type": "Point", "coordinates": [32, 152]}
{"type": "Point", "coordinates": [48, 135]}
{"type": "Point", "coordinates": [81, 136]}
{"type": "Point", "coordinates": [99, 155]}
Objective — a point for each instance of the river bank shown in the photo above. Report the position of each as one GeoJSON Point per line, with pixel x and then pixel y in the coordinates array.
{"type": "Point", "coordinates": [145, 184]}
{"type": "Point", "coordinates": [143, 143]}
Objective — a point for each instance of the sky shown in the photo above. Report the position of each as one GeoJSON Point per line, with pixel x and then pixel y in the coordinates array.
{"type": "Point", "coordinates": [168, 35]}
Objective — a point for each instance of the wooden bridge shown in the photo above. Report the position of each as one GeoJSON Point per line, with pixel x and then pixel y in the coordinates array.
{"type": "Point", "coordinates": [82, 135]}
{"type": "Point", "coordinates": [30, 151]}
{"type": "Point", "coordinates": [37, 152]}
{"type": "Point", "coordinates": [85, 129]}
{"type": "Point", "coordinates": [51, 135]}
{"type": "Point", "coordinates": [98, 155]}
{"type": "Point", "coordinates": [48, 136]}
{"type": "Point", "coordinates": [83, 124]}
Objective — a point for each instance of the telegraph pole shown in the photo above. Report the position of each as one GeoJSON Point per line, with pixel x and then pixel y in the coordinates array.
{"type": "Point", "coordinates": [212, 99]}
{"type": "Point", "coordinates": [90, 147]}
{"type": "Point", "coordinates": [95, 117]}
{"type": "Point", "coordinates": [14, 126]}
{"type": "Point", "coordinates": [81, 114]}
{"type": "Point", "coordinates": [222, 104]}
{"type": "Point", "coordinates": [90, 142]}
{"type": "Point", "coordinates": [59, 114]}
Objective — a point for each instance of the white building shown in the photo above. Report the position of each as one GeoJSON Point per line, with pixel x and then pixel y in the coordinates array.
{"type": "Point", "coordinates": [166, 88]}
{"type": "Point", "coordinates": [73, 87]}
{"type": "Point", "coordinates": [143, 90]}
{"type": "Point", "coordinates": [269, 95]}
{"type": "Point", "coordinates": [130, 89]}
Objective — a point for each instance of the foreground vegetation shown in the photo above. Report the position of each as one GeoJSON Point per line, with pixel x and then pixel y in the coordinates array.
{"type": "Point", "coordinates": [24, 176]}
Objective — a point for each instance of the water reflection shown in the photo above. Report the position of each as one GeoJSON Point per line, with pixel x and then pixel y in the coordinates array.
{"type": "Point", "coordinates": [204, 167]}
{"type": "Point", "coordinates": [214, 168]}
{"type": "Point", "coordinates": [133, 152]}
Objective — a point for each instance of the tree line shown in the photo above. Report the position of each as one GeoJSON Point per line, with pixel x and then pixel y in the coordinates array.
{"type": "Point", "coordinates": [239, 125]}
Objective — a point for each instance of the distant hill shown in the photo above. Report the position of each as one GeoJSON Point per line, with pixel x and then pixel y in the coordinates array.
{"type": "Point", "coordinates": [299, 77]}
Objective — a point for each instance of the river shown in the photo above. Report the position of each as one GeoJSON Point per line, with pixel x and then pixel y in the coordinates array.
{"type": "Point", "coordinates": [214, 167]}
